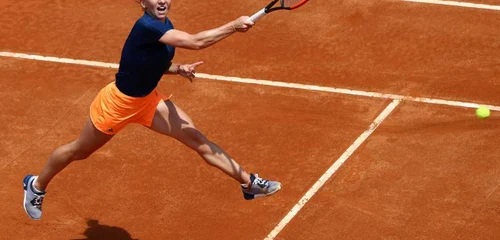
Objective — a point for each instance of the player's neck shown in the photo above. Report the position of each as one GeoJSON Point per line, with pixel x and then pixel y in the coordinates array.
{"type": "Point", "coordinates": [154, 17]}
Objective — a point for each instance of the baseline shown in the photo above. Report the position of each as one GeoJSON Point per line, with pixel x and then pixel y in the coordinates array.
{"type": "Point", "coordinates": [267, 82]}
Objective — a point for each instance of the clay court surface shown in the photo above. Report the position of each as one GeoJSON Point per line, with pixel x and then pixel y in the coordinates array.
{"type": "Point", "coordinates": [424, 171]}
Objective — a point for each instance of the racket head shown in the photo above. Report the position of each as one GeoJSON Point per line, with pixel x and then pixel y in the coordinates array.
{"type": "Point", "coordinates": [283, 5]}
{"type": "Point", "coordinates": [292, 4]}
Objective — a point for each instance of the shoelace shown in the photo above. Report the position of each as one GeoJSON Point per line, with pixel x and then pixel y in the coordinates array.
{"type": "Point", "coordinates": [37, 201]}
{"type": "Point", "coordinates": [262, 183]}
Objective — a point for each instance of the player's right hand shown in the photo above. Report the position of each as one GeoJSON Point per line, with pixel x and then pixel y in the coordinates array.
{"type": "Point", "coordinates": [242, 24]}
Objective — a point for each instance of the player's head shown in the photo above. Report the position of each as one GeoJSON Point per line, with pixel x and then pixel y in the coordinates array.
{"type": "Point", "coordinates": [156, 8]}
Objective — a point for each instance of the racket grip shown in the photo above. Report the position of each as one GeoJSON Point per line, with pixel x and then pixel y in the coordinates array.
{"type": "Point", "coordinates": [258, 15]}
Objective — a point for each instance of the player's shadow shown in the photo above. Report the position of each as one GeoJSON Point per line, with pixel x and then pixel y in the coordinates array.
{"type": "Point", "coordinates": [96, 231]}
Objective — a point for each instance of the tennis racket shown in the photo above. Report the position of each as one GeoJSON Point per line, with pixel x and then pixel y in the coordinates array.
{"type": "Point", "coordinates": [283, 5]}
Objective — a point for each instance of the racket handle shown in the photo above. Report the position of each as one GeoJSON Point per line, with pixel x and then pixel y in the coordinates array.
{"type": "Point", "coordinates": [258, 15]}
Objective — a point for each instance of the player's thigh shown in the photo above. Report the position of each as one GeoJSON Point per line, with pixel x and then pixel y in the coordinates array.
{"type": "Point", "coordinates": [171, 120]}
{"type": "Point", "coordinates": [91, 139]}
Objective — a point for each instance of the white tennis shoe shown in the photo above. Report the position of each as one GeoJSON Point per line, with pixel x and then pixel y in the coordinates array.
{"type": "Point", "coordinates": [259, 187]}
{"type": "Point", "coordinates": [32, 199]}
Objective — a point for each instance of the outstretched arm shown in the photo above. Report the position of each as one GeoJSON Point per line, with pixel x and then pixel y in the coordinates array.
{"type": "Point", "coordinates": [206, 38]}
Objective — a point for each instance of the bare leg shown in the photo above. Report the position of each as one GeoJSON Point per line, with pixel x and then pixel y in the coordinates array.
{"type": "Point", "coordinates": [89, 141]}
{"type": "Point", "coordinates": [172, 121]}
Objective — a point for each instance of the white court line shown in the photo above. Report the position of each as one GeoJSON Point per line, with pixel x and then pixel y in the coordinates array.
{"type": "Point", "coordinates": [336, 165]}
{"type": "Point", "coordinates": [346, 91]}
{"type": "Point", "coordinates": [58, 60]}
{"type": "Point", "coordinates": [458, 4]}
{"type": "Point", "coordinates": [266, 82]}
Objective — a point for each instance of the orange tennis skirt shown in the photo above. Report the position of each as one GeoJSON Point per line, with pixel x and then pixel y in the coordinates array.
{"type": "Point", "coordinates": [112, 110]}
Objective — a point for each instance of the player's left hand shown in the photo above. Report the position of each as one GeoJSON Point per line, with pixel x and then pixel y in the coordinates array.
{"type": "Point", "coordinates": [188, 70]}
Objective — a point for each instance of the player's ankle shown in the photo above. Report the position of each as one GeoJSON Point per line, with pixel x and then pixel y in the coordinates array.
{"type": "Point", "coordinates": [37, 187]}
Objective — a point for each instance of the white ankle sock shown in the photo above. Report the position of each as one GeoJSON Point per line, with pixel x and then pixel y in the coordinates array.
{"type": "Point", "coordinates": [35, 189]}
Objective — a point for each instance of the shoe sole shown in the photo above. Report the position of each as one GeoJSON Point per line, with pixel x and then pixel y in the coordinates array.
{"type": "Point", "coordinates": [24, 200]}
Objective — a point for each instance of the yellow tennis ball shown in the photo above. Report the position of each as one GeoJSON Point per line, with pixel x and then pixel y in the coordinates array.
{"type": "Point", "coordinates": [482, 112]}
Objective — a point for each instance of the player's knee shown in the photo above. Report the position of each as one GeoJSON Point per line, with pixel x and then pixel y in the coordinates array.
{"type": "Point", "coordinates": [197, 136]}
{"type": "Point", "coordinates": [80, 154]}
{"type": "Point", "coordinates": [199, 140]}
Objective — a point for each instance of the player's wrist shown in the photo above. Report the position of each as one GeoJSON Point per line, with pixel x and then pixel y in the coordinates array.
{"type": "Point", "coordinates": [177, 69]}
{"type": "Point", "coordinates": [232, 26]}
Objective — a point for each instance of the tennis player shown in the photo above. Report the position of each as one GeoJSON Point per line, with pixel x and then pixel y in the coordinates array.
{"type": "Point", "coordinates": [133, 98]}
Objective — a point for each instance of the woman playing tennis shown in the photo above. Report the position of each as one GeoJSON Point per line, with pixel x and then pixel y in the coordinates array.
{"type": "Point", "coordinates": [133, 98]}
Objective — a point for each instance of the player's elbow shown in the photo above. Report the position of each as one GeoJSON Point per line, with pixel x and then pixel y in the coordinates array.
{"type": "Point", "coordinates": [198, 45]}
{"type": "Point", "coordinates": [193, 45]}
{"type": "Point", "coordinates": [200, 41]}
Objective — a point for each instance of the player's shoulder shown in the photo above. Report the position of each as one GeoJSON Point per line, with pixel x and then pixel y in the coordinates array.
{"type": "Point", "coordinates": [144, 19]}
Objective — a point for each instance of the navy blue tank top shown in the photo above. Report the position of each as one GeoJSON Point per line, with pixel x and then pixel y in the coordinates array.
{"type": "Point", "coordinates": [144, 59]}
